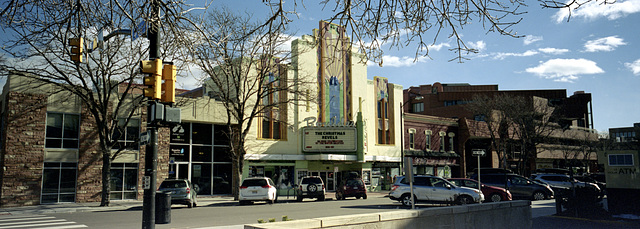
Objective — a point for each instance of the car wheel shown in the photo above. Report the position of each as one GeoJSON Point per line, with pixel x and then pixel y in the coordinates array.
{"type": "Point", "coordinates": [495, 197]}
{"type": "Point", "coordinates": [406, 200]}
{"type": "Point", "coordinates": [538, 196]}
{"type": "Point", "coordinates": [190, 204]}
{"type": "Point", "coordinates": [312, 188]}
{"type": "Point", "coordinates": [357, 197]}
{"type": "Point", "coordinates": [463, 200]}
{"type": "Point", "coordinates": [338, 196]}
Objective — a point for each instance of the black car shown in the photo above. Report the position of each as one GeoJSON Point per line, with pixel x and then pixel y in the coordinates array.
{"type": "Point", "coordinates": [519, 186]}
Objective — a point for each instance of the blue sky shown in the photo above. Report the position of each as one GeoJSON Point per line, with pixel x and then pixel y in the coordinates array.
{"type": "Point", "coordinates": [597, 52]}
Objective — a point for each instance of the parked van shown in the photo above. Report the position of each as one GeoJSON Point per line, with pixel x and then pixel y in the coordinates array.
{"type": "Point", "coordinates": [519, 186]}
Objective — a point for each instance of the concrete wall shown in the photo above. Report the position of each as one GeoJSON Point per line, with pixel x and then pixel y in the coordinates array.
{"type": "Point", "coordinates": [512, 214]}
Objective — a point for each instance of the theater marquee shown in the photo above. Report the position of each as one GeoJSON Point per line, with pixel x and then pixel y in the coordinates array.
{"type": "Point", "coordinates": [329, 139]}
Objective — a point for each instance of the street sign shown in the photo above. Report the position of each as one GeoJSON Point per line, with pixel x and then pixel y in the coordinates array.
{"type": "Point", "coordinates": [144, 138]}
{"type": "Point", "coordinates": [478, 153]}
{"type": "Point", "coordinates": [139, 31]}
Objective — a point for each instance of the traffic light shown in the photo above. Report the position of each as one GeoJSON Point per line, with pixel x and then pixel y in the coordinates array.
{"type": "Point", "coordinates": [154, 79]}
{"type": "Point", "coordinates": [169, 85]}
{"type": "Point", "coordinates": [76, 49]}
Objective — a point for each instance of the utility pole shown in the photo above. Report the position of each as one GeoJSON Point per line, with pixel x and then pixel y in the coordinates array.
{"type": "Point", "coordinates": [151, 152]}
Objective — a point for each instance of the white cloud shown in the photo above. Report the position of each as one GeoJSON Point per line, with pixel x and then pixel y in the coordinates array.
{"type": "Point", "coordinates": [604, 44]}
{"type": "Point", "coordinates": [596, 9]}
{"type": "Point", "coordinates": [479, 45]}
{"type": "Point", "coordinates": [439, 46]}
{"type": "Point", "coordinates": [634, 67]}
{"type": "Point", "coordinates": [395, 61]}
{"type": "Point", "coordinates": [502, 55]}
{"type": "Point", "coordinates": [530, 39]}
{"type": "Point", "coordinates": [565, 70]}
{"type": "Point", "coordinates": [553, 51]}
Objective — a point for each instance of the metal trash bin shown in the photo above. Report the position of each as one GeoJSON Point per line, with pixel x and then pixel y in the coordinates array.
{"type": "Point", "coordinates": [163, 207]}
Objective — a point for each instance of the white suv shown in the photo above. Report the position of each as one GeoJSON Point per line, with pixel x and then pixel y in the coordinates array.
{"type": "Point", "coordinates": [433, 189]}
{"type": "Point", "coordinates": [311, 187]}
{"type": "Point", "coordinates": [257, 189]}
{"type": "Point", "coordinates": [562, 181]}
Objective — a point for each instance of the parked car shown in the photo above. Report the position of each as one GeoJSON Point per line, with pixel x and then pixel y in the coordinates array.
{"type": "Point", "coordinates": [433, 189]}
{"type": "Point", "coordinates": [311, 187]}
{"type": "Point", "coordinates": [554, 170]}
{"type": "Point", "coordinates": [492, 193]}
{"type": "Point", "coordinates": [562, 181]}
{"type": "Point", "coordinates": [519, 186]}
{"type": "Point", "coordinates": [352, 187]}
{"type": "Point", "coordinates": [257, 189]}
{"type": "Point", "coordinates": [491, 170]}
{"type": "Point", "coordinates": [592, 179]}
{"type": "Point", "coordinates": [182, 191]}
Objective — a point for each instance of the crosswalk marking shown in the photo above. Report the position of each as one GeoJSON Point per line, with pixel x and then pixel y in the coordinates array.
{"type": "Point", "coordinates": [37, 221]}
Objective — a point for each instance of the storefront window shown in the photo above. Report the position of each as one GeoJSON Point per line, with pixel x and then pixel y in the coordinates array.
{"type": "Point", "coordinates": [201, 154]}
{"type": "Point", "coordinates": [124, 178]}
{"type": "Point", "coordinates": [59, 182]}
{"type": "Point", "coordinates": [201, 134]}
{"type": "Point", "coordinates": [179, 153]}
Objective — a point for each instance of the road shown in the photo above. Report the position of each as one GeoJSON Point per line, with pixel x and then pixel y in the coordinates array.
{"type": "Point", "coordinates": [231, 215]}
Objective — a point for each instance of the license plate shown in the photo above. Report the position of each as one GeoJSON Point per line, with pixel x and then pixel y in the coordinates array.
{"type": "Point", "coordinates": [355, 187]}
{"type": "Point", "coordinates": [254, 192]}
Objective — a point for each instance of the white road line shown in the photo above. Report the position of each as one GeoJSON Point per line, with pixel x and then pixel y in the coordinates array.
{"type": "Point", "coordinates": [39, 221]}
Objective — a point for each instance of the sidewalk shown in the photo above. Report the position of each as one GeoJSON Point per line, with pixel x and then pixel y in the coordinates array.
{"type": "Point", "coordinates": [131, 204]}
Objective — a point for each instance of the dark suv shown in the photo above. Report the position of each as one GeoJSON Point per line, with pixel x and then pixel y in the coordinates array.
{"type": "Point", "coordinates": [352, 187]}
{"type": "Point", "coordinates": [519, 186]}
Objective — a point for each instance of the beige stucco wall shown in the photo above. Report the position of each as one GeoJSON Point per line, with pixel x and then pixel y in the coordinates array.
{"type": "Point", "coordinates": [305, 111]}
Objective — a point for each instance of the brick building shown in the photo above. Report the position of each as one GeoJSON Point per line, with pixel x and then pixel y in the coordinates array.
{"type": "Point", "coordinates": [50, 154]}
{"type": "Point", "coordinates": [574, 126]}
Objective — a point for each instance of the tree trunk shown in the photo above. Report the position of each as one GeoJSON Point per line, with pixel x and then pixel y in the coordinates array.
{"type": "Point", "coordinates": [106, 178]}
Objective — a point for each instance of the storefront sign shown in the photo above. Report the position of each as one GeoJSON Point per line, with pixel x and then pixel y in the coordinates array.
{"type": "Point", "coordinates": [329, 139]}
{"type": "Point", "coordinates": [434, 161]}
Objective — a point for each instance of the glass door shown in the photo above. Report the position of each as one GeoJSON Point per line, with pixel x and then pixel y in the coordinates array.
{"type": "Point", "coordinates": [179, 171]}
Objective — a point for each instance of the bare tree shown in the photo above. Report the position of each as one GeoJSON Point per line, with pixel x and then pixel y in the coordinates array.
{"type": "Point", "coordinates": [492, 109]}
{"type": "Point", "coordinates": [246, 69]}
{"type": "Point", "coordinates": [39, 48]}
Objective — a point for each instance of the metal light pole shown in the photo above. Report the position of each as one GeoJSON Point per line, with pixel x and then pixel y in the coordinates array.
{"type": "Point", "coordinates": [151, 153]}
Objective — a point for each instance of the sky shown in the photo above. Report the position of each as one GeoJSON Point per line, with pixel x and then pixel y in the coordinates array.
{"type": "Point", "coordinates": [596, 51]}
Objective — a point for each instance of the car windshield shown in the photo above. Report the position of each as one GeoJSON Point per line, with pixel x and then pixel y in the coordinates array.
{"type": "Point", "coordinates": [312, 180]}
{"type": "Point", "coordinates": [254, 182]}
{"type": "Point", "coordinates": [354, 183]}
{"type": "Point", "coordinates": [173, 184]}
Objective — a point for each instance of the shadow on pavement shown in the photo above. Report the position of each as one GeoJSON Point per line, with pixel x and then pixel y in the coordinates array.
{"type": "Point", "coordinates": [546, 222]}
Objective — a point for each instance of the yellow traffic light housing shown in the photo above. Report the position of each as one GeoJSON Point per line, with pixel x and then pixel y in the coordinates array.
{"type": "Point", "coordinates": [154, 79]}
{"type": "Point", "coordinates": [169, 85]}
{"type": "Point", "coordinates": [77, 49]}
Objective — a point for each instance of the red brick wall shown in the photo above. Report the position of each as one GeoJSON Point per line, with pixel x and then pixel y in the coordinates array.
{"type": "Point", "coordinates": [23, 151]}
{"type": "Point", "coordinates": [89, 183]}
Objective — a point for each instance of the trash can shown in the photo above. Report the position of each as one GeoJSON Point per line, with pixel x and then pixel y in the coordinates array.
{"type": "Point", "coordinates": [163, 207]}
